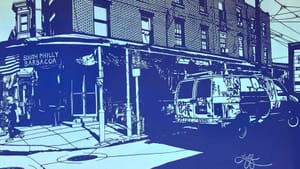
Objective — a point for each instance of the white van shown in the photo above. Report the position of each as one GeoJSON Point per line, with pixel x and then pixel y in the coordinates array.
{"type": "Point", "coordinates": [214, 99]}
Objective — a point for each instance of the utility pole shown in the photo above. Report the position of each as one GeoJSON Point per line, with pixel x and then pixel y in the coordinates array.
{"type": "Point", "coordinates": [128, 106]}
{"type": "Point", "coordinates": [258, 48]}
{"type": "Point", "coordinates": [100, 90]}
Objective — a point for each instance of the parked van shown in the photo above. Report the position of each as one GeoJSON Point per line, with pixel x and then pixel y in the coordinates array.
{"type": "Point", "coordinates": [216, 99]}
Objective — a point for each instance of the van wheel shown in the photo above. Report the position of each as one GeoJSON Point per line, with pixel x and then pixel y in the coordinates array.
{"type": "Point", "coordinates": [293, 121]}
{"type": "Point", "coordinates": [242, 132]}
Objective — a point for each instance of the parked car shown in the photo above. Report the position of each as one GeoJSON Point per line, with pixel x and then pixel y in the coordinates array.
{"type": "Point", "coordinates": [226, 100]}
{"type": "Point", "coordinates": [284, 105]}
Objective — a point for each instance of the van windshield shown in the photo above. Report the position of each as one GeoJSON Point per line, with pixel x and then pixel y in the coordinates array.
{"type": "Point", "coordinates": [186, 90]}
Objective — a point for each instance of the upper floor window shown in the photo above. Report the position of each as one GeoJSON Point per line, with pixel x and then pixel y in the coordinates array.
{"type": "Point", "coordinates": [179, 32]}
{"type": "Point", "coordinates": [204, 38]}
{"type": "Point", "coordinates": [223, 37]}
{"type": "Point", "coordinates": [241, 45]}
{"type": "Point", "coordinates": [23, 22]}
{"type": "Point", "coordinates": [264, 29]}
{"type": "Point", "coordinates": [147, 35]}
{"type": "Point", "coordinates": [252, 25]}
{"type": "Point", "coordinates": [222, 12]}
{"type": "Point", "coordinates": [203, 5]}
{"type": "Point", "coordinates": [239, 16]}
{"type": "Point", "coordinates": [253, 51]}
{"type": "Point", "coordinates": [180, 2]}
{"type": "Point", "coordinates": [100, 20]}
{"type": "Point", "coordinates": [266, 53]}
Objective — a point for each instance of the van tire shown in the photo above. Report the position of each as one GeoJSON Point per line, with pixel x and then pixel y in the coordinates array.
{"type": "Point", "coordinates": [241, 125]}
{"type": "Point", "coordinates": [293, 121]}
{"type": "Point", "coordinates": [242, 132]}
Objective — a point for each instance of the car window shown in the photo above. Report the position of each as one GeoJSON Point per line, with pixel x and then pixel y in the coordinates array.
{"type": "Point", "coordinates": [219, 87]}
{"type": "Point", "coordinates": [204, 88]}
{"type": "Point", "coordinates": [186, 90]}
{"type": "Point", "coordinates": [250, 84]}
{"type": "Point", "coordinates": [246, 84]}
{"type": "Point", "coordinates": [279, 87]}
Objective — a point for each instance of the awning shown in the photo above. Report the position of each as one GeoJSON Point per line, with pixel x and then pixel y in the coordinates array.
{"type": "Point", "coordinates": [9, 65]}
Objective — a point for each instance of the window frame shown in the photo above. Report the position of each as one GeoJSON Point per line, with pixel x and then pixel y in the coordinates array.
{"type": "Point", "coordinates": [24, 23]}
{"type": "Point", "coordinates": [223, 45]}
{"type": "Point", "coordinates": [101, 21]}
{"type": "Point", "coordinates": [241, 46]}
{"type": "Point", "coordinates": [203, 6]}
{"type": "Point", "coordinates": [146, 16]}
{"type": "Point", "coordinates": [222, 12]}
{"type": "Point", "coordinates": [239, 16]}
{"type": "Point", "coordinates": [204, 34]}
{"type": "Point", "coordinates": [264, 29]}
{"type": "Point", "coordinates": [179, 34]}
{"type": "Point", "coordinates": [179, 2]}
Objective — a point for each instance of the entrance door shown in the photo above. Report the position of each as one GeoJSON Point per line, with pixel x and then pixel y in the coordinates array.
{"type": "Point", "coordinates": [83, 97]}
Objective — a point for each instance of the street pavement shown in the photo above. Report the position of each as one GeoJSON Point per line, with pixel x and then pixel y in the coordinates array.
{"type": "Point", "coordinates": [44, 138]}
{"type": "Point", "coordinates": [78, 147]}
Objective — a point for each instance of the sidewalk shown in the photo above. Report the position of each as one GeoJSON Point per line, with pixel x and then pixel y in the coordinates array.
{"type": "Point", "coordinates": [63, 137]}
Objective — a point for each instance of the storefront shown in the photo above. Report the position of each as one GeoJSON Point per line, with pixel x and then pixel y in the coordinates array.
{"type": "Point", "coordinates": [59, 78]}
{"type": "Point", "coordinates": [52, 75]}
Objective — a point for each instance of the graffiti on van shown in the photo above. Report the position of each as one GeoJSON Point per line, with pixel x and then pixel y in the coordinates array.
{"type": "Point", "coordinates": [184, 108]}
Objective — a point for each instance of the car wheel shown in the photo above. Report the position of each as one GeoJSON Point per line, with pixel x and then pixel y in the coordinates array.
{"type": "Point", "coordinates": [242, 132]}
{"type": "Point", "coordinates": [293, 121]}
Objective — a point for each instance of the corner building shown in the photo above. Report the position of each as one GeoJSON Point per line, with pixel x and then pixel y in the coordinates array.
{"type": "Point", "coordinates": [169, 38]}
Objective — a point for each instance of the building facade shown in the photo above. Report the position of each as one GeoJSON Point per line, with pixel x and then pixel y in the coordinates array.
{"type": "Point", "coordinates": [56, 43]}
{"type": "Point", "coordinates": [221, 27]}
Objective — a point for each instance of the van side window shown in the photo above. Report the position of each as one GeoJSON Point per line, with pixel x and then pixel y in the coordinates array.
{"type": "Point", "coordinates": [186, 90]}
{"type": "Point", "coordinates": [219, 87]}
{"type": "Point", "coordinates": [204, 88]}
{"type": "Point", "coordinates": [246, 85]}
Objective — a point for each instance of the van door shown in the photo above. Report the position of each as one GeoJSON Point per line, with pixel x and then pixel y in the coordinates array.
{"type": "Point", "coordinates": [254, 98]}
{"type": "Point", "coordinates": [183, 101]}
{"type": "Point", "coordinates": [203, 101]}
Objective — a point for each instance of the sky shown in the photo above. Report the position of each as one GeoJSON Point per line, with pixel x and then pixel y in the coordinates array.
{"type": "Point", "coordinates": [279, 51]}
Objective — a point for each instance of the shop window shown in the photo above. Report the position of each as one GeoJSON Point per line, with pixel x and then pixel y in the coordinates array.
{"type": "Point", "coordinates": [101, 21]}
{"type": "Point", "coordinates": [204, 38]}
{"type": "Point", "coordinates": [179, 32]}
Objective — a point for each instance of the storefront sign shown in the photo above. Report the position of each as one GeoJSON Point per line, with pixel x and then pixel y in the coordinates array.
{"type": "Point", "coordinates": [42, 59]}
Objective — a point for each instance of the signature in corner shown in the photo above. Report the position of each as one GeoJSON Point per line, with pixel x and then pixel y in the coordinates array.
{"type": "Point", "coordinates": [249, 161]}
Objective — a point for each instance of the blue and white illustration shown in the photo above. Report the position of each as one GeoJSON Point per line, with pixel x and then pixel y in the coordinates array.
{"type": "Point", "coordinates": [142, 84]}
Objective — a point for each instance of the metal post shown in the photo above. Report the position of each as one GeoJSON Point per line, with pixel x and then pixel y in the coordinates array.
{"type": "Point", "coordinates": [100, 90]}
{"type": "Point", "coordinates": [128, 106]}
{"type": "Point", "coordinates": [258, 32]}
{"type": "Point", "coordinates": [137, 102]}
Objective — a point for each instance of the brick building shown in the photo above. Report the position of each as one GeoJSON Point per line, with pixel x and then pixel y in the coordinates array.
{"type": "Point", "coordinates": [169, 37]}
{"type": "Point", "coordinates": [217, 27]}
